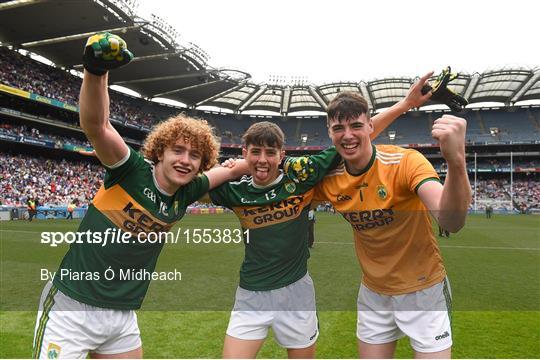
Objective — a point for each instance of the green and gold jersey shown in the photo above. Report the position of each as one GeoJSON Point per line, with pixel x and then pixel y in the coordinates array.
{"type": "Point", "coordinates": [276, 216]}
{"type": "Point", "coordinates": [394, 238]}
{"type": "Point", "coordinates": [131, 201]}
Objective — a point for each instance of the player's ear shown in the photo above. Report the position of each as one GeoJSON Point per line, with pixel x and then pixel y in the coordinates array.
{"type": "Point", "coordinates": [281, 154]}
{"type": "Point", "coordinates": [328, 126]}
{"type": "Point", "coordinates": [244, 152]}
{"type": "Point", "coordinates": [370, 125]}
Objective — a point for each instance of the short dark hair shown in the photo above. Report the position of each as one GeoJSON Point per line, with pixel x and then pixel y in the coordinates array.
{"type": "Point", "coordinates": [345, 106]}
{"type": "Point", "coordinates": [264, 133]}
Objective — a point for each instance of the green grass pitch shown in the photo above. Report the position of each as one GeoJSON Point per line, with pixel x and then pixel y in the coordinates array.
{"type": "Point", "coordinates": [493, 266]}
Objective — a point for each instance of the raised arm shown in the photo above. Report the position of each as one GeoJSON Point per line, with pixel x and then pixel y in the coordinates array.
{"type": "Point", "coordinates": [109, 146]}
{"type": "Point", "coordinates": [449, 203]}
{"type": "Point", "coordinates": [102, 52]}
{"type": "Point", "coordinates": [414, 99]}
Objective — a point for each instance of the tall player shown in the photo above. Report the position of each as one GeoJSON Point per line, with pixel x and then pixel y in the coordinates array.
{"type": "Point", "coordinates": [392, 191]}
{"type": "Point", "coordinates": [83, 311]}
{"type": "Point", "coordinates": [275, 288]}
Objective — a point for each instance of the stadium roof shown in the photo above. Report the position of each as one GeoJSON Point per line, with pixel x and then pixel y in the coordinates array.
{"type": "Point", "coordinates": [166, 68]}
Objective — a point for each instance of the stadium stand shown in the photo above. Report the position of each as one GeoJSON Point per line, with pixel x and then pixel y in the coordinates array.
{"type": "Point", "coordinates": [23, 131]}
{"type": "Point", "coordinates": [57, 181]}
{"type": "Point", "coordinates": [484, 126]}
{"type": "Point", "coordinates": [54, 182]}
{"type": "Point", "coordinates": [45, 125]}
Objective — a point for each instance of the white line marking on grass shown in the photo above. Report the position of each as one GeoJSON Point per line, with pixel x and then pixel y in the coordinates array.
{"type": "Point", "coordinates": [488, 247]}
{"type": "Point", "coordinates": [448, 246]}
{"type": "Point", "coordinates": [472, 227]}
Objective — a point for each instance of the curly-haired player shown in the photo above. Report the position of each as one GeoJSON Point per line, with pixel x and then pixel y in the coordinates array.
{"type": "Point", "coordinates": [83, 310]}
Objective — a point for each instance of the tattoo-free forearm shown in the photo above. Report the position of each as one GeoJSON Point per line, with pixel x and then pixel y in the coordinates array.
{"type": "Point", "coordinates": [94, 104]}
{"type": "Point", "coordinates": [456, 198]}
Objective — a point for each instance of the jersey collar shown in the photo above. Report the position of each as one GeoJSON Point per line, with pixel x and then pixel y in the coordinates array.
{"type": "Point", "coordinates": [276, 181]}
{"type": "Point", "coordinates": [368, 166]}
{"type": "Point", "coordinates": [156, 183]}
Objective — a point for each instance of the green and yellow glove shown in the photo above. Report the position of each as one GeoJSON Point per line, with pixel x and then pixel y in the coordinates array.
{"type": "Point", "coordinates": [442, 94]}
{"type": "Point", "coordinates": [298, 169]}
{"type": "Point", "coordinates": [105, 51]}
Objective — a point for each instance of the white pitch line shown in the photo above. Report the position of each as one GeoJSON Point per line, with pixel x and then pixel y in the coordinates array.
{"type": "Point", "coordinates": [488, 247]}
{"type": "Point", "coordinates": [21, 231]}
{"type": "Point", "coordinates": [447, 246]}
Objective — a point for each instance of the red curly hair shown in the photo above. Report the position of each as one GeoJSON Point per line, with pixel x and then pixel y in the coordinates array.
{"type": "Point", "coordinates": [197, 132]}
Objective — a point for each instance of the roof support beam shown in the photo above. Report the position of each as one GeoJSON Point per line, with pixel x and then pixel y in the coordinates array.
{"type": "Point", "coordinates": [77, 36]}
{"type": "Point", "coordinates": [366, 94]}
{"type": "Point", "coordinates": [317, 98]}
{"type": "Point", "coordinates": [519, 92]}
{"type": "Point", "coordinates": [323, 96]}
{"type": "Point", "coordinates": [186, 88]}
{"type": "Point", "coordinates": [165, 55]}
{"type": "Point", "coordinates": [172, 77]}
{"type": "Point", "coordinates": [285, 100]}
{"type": "Point", "coordinates": [18, 3]}
{"type": "Point", "coordinates": [471, 87]}
{"type": "Point", "coordinates": [221, 94]}
{"type": "Point", "coordinates": [250, 99]}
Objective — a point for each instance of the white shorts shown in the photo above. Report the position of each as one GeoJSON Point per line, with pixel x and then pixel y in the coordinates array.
{"type": "Point", "coordinates": [423, 316]}
{"type": "Point", "coordinates": [289, 311]}
{"type": "Point", "coordinates": [70, 329]}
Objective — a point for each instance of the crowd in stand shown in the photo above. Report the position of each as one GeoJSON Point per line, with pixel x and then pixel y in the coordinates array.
{"type": "Point", "coordinates": [494, 165]}
{"type": "Point", "coordinates": [492, 189]}
{"type": "Point", "coordinates": [28, 131]}
{"type": "Point", "coordinates": [521, 195]}
{"type": "Point", "coordinates": [526, 195]}
{"type": "Point", "coordinates": [21, 72]}
{"type": "Point", "coordinates": [57, 182]}
{"type": "Point", "coordinates": [30, 75]}
{"type": "Point", "coordinates": [52, 182]}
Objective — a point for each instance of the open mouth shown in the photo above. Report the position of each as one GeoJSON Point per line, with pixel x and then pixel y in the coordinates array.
{"type": "Point", "coordinates": [350, 146]}
{"type": "Point", "coordinates": [261, 172]}
{"type": "Point", "coordinates": [182, 170]}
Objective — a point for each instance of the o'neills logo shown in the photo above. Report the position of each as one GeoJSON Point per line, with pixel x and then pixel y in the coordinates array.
{"type": "Point", "coordinates": [442, 336]}
{"type": "Point", "coordinates": [252, 217]}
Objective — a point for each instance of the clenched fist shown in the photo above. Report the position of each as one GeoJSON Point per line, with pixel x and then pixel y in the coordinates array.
{"type": "Point", "coordinates": [104, 52]}
{"type": "Point", "coordinates": [449, 131]}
